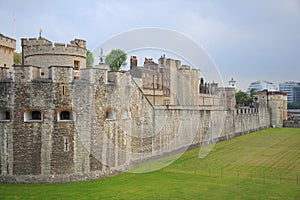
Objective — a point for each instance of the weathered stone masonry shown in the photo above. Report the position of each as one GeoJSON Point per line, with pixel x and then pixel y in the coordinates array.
{"type": "Point", "coordinates": [67, 123]}
{"type": "Point", "coordinates": [90, 144]}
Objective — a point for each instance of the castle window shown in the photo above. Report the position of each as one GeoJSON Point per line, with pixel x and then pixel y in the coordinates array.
{"type": "Point", "coordinates": [42, 73]}
{"type": "Point", "coordinates": [110, 115]}
{"type": "Point", "coordinates": [66, 144]}
{"type": "Point", "coordinates": [4, 115]}
{"type": "Point", "coordinates": [124, 114]}
{"type": "Point", "coordinates": [32, 115]}
{"type": "Point", "coordinates": [166, 102]}
{"type": "Point", "coordinates": [76, 64]}
{"type": "Point", "coordinates": [63, 90]}
{"type": "Point", "coordinates": [66, 115]}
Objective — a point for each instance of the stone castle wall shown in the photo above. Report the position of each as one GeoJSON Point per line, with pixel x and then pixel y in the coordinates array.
{"type": "Point", "coordinates": [7, 48]}
{"type": "Point", "coordinates": [113, 127]}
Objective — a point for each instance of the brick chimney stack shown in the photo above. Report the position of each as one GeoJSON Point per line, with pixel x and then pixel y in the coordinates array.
{"type": "Point", "coordinates": [133, 62]}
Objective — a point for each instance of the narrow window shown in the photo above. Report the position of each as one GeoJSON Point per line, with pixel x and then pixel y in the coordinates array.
{"type": "Point", "coordinates": [66, 144]}
{"type": "Point", "coordinates": [63, 90]}
{"type": "Point", "coordinates": [76, 65]}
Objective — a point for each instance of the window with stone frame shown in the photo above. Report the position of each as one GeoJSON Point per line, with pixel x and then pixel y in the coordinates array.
{"type": "Point", "coordinates": [66, 115]}
{"type": "Point", "coordinates": [4, 115]}
{"type": "Point", "coordinates": [76, 64]}
{"type": "Point", "coordinates": [111, 115]}
{"type": "Point", "coordinates": [33, 115]}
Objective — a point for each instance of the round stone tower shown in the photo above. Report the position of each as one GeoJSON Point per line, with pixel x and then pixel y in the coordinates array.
{"type": "Point", "coordinates": [43, 53]}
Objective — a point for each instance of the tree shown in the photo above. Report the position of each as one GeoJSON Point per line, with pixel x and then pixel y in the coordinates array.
{"type": "Point", "coordinates": [17, 58]}
{"type": "Point", "coordinates": [89, 59]}
{"type": "Point", "coordinates": [253, 92]}
{"type": "Point", "coordinates": [243, 98]}
{"type": "Point", "coordinates": [115, 59]}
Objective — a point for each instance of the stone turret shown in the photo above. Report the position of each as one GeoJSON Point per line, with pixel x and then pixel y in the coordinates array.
{"type": "Point", "coordinates": [277, 102]}
{"type": "Point", "coordinates": [43, 53]}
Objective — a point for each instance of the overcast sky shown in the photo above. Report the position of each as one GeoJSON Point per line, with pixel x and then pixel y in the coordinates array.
{"type": "Point", "coordinates": [248, 40]}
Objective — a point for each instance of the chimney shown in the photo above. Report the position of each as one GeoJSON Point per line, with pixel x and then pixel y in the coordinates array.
{"type": "Point", "coordinates": [133, 62]}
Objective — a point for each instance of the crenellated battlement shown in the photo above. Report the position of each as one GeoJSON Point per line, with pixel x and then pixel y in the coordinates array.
{"type": "Point", "coordinates": [7, 42]}
{"type": "Point", "coordinates": [34, 41]}
{"type": "Point", "coordinates": [42, 46]}
{"type": "Point", "coordinates": [43, 41]}
{"type": "Point", "coordinates": [22, 74]}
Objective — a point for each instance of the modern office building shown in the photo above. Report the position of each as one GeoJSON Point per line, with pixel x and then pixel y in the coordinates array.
{"type": "Point", "coordinates": [262, 85]}
{"type": "Point", "coordinates": [292, 89]}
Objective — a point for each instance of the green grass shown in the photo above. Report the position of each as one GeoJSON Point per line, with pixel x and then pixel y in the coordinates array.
{"type": "Point", "coordinates": [261, 165]}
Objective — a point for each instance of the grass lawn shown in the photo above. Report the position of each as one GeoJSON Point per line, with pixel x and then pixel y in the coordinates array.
{"type": "Point", "coordinates": [261, 165]}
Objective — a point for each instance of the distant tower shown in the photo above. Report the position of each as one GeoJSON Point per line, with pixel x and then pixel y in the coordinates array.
{"type": "Point", "coordinates": [101, 58]}
{"type": "Point", "coordinates": [232, 83]}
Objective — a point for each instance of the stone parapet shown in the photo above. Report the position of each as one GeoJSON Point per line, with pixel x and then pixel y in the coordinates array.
{"type": "Point", "coordinates": [7, 42]}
